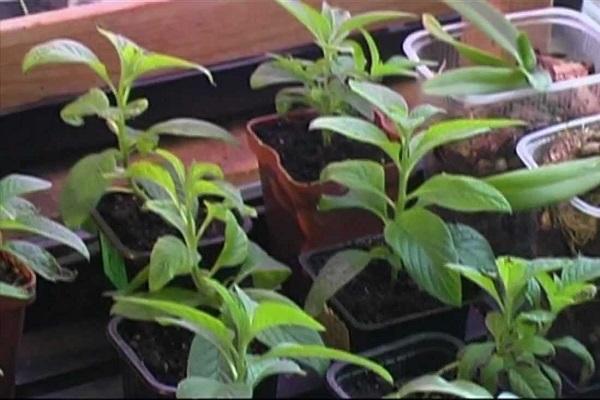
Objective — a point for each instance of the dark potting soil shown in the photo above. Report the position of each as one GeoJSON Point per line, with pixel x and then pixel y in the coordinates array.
{"type": "Point", "coordinates": [302, 152]}
{"type": "Point", "coordinates": [372, 298]}
{"type": "Point", "coordinates": [139, 229]}
{"type": "Point", "coordinates": [582, 323]}
{"type": "Point", "coordinates": [9, 275]}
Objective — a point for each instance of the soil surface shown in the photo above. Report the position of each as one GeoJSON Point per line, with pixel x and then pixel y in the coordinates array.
{"type": "Point", "coordinates": [371, 298]}
{"type": "Point", "coordinates": [302, 152]}
{"type": "Point", "coordinates": [139, 229]}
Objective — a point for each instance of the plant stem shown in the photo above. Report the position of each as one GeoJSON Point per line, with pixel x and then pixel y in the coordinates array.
{"type": "Point", "coordinates": [447, 368]}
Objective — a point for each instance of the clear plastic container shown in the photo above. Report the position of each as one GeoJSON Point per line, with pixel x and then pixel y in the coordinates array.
{"type": "Point", "coordinates": [551, 30]}
{"type": "Point", "coordinates": [575, 223]}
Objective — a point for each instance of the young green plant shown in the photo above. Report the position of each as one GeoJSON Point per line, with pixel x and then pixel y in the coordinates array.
{"type": "Point", "coordinates": [416, 240]}
{"type": "Point", "coordinates": [223, 362]}
{"type": "Point", "coordinates": [322, 84]}
{"type": "Point", "coordinates": [87, 180]}
{"type": "Point", "coordinates": [517, 68]}
{"type": "Point", "coordinates": [529, 296]}
{"type": "Point", "coordinates": [19, 215]}
{"type": "Point", "coordinates": [172, 192]}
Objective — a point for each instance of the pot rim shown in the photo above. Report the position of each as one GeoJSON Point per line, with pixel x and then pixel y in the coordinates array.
{"type": "Point", "coordinates": [26, 272]}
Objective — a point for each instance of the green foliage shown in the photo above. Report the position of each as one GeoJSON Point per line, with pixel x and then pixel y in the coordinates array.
{"type": "Point", "coordinates": [417, 240]}
{"type": "Point", "coordinates": [19, 215]}
{"type": "Point", "coordinates": [322, 84]}
{"type": "Point", "coordinates": [222, 361]}
{"type": "Point", "coordinates": [91, 177]}
{"type": "Point", "coordinates": [492, 73]}
{"type": "Point", "coordinates": [518, 352]}
{"type": "Point", "coordinates": [172, 192]}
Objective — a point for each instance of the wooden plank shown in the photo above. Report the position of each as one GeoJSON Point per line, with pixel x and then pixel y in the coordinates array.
{"type": "Point", "coordinates": [207, 32]}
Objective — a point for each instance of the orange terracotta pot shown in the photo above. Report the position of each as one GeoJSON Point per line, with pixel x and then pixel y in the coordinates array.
{"type": "Point", "coordinates": [12, 315]}
{"type": "Point", "coordinates": [294, 221]}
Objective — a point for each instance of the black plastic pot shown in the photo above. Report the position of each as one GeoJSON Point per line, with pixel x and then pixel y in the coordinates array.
{"type": "Point", "coordinates": [363, 336]}
{"type": "Point", "coordinates": [137, 259]}
{"type": "Point", "coordinates": [140, 383]}
{"type": "Point", "coordinates": [405, 359]}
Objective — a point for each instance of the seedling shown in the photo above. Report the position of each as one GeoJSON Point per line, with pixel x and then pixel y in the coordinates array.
{"type": "Point", "coordinates": [222, 361]}
{"type": "Point", "coordinates": [87, 180]}
{"type": "Point", "coordinates": [416, 239]}
{"type": "Point", "coordinates": [322, 84]}
{"type": "Point", "coordinates": [172, 192]}
{"type": "Point", "coordinates": [516, 68]}
{"type": "Point", "coordinates": [19, 215]}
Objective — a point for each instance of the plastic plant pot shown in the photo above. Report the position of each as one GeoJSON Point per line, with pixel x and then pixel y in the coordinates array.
{"type": "Point", "coordinates": [12, 315]}
{"type": "Point", "coordinates": [294, 221]}
{"type": "Point", "coordinates": [367, 334]}
{"type": "Point", "coordinates": [552, 30]}
{"type": "Point", "coordinates": [140, 383]}
{"type": "Point", "coordinates": [405, 359]}
{"type": "Point", "coordinates": [558, 226]}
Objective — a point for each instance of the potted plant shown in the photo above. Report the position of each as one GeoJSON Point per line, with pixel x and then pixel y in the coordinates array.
{"type": "Point", "coordinates": [520, 357]}
{"type": "Point", "coordinates": [254, 335]}
{"type": "Point", "coordinates": [90, 186]}
{"type": "Point", "coordinates": [290, 157]}
{"type": "Point", "coordinates": [179, 266]}
{"type": "Point", "coordinates": [570, 227]}
{"type": "Point", "coordinates": [522, 77]}
{"type": "Point", "coordinates": [21, 260]}
{"type": "Point", "coordinates": [416, 242]}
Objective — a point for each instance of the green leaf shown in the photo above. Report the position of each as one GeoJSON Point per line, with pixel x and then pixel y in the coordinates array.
{"type": "Point", "coordinates": [113, 264]}
{"type": "Point", "coordinates": [15, 185]}
{"type": "Point", "coordinates": [472, 248]}
{"type": "Point", "coordinates": [135, 108]}
{"type": "Point", "coordinates": [461, 193]}
{"type": "Point", "coordinates": [395, 66]}
{"type": "Point", "coordinates": [527, 57]}
{"type": "Point", "coordinates": [85, 185]}
{"type": "Point", "coordinates": [169, 258]}
{"type": "Point", "coordinates": [316, 23]}
{"type": "Point", "coordinates": [273, 314]}
{"type": "Point", "coordinates": [94, 102]}
{"type": "Point", "coordinates": [235, 249]}
{"type": "Point", "coordinates": [47, 228]}
{"type": "Point", "coordinates": [469, 81]}
{"type": "Point", "coordinates": [64, 51]}
{"type": "Point", "coordinates": [337, 272]}
{"type": "Point", "coordinates": [196, 387]}
{"type": "Point", "coordinates": [231, 194]}
{"type": "Point", "coordinates": [154, 173]}
{"type": "Point", "coordinates": [13, 292]}
{"type": "Point", "coordinates": [553, 376]}
{"type": "Point", "coordinates": [490, 21]}
{"type": "Point", "coordinates": [168, 211]}
{"type": "Point", "coordinates": [206, 360]}
{"type": "Point", "coordinates": [474, 356]}
{"type": "Point", "coordinates": [472, 53]}
{"type": "Point", "coordinates": [259, 369]}
{"type": "Point", "coordinates": [519, 384]}
{"type": "Point", "coordinates": [390, 102]}
{"type": "Point", "coordinates": [437, 384]}
{"type": "Point", "coordinates": [542, 347]}
{"type": "Point", "coordinates": [549, 184]}
{"type": "Point", "coordinates": [270, 73]}
{"type": "Point", "coordinates": [153, 62]}
{"type": "Point", "coordinates": [354, 199]}
{"type": "Point", "coordinates": [580, 269]}
{"type": "Point", "coordinates": [574, 346]}
{"type": "Point", "coordinates": [514, 274]}
{"type": "Point", "coordinates": [359, 130]}
{"type": "Point", "coordinates": [490, 373]}
{"type": "Point", "coordinates": [308, 351]}
{"type": "Point", "coordinates": [288, 98]}
{"type": "Point", "coordinates": [536, 380]}
{"type": "Point", "coordinates": [363, 20]}
{"type": "Point", "coordinates": [266, 272]}
{"type": "Point", "coordinates": [424, 243]}
{"type": "Point", "coordinates": [362, 176]}
{"type": "Point", "coordinates": [479, 279]}
{"type": "Point", "coordinates": [190, 127]}
{"type": "Point", "coordinates": [451, 131]}
{"type": "Point", "coordinates": [496, 325]}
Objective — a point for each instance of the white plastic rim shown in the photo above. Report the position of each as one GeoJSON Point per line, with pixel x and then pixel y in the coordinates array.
{"type": "Point", "coordinates": [529, 143]}
{"type": "Point", "coordinates": [553, 15]}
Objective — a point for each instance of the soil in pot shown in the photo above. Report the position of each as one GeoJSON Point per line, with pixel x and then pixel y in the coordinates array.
{"type": "Point", "coordinates": [579, 322]}
{"type": "Point", "coordinates": [302, 152]}
{"type": "Point", "coordinates": [564, 228]}
{"type": "Point", "coordinates": [139, 229]}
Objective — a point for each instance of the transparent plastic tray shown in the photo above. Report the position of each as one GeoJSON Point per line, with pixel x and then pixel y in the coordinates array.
{"type": "Point", "coordinates": [532, 147]}
{"type": "Point", "coordinates": [552, 30]}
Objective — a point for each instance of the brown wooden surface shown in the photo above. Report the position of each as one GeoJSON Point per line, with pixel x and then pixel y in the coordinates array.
{"type": "Point", "coordinates": [205, 31]}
